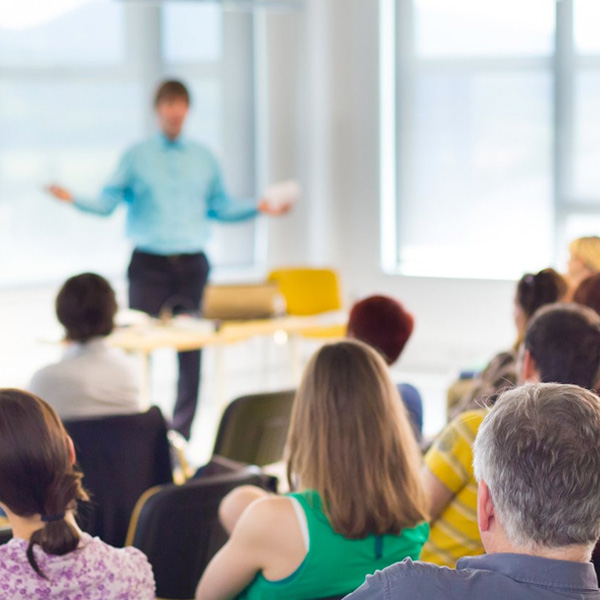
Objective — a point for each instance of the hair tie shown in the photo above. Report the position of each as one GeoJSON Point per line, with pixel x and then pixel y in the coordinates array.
{"type": "Point", "coordinates": [53, 518]}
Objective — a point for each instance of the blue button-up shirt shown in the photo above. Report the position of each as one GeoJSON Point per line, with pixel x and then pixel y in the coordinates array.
{"type": "Point", "coordinates": [491, 576]}
{"type": "Point", "coordinates": [172, 188]}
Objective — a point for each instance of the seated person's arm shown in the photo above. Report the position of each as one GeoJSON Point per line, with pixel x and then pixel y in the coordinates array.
{"type": "Point", "coordinates": [232, 507]}
{"type": "Point", "coordinates": [236, 564]}
{"type": "Point", "coordinates": [267, 534]}
{"type": "Point", "coordinates": [439, 495]}
{"type": "Point", "coordinates": [448, 463]}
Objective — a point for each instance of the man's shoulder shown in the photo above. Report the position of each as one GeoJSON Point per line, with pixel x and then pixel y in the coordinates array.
{"type": "Point", "coordinates": [406, 579]}
{"type": "Point", "coordinates": [494, 577]}
{"type": "Point", "coordinates": [199, 150]}
{"type": "Point", "coordinates": [408, 571]}
{"type": "Point", "coordinates": [140, 146]}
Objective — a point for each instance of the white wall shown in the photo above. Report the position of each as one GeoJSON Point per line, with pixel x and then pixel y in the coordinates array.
{"type": "Point", "coordinates": [324, 100]}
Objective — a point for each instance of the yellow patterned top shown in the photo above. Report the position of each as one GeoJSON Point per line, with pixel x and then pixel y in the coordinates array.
{"type": "Point", "coordinates": [454, 533]}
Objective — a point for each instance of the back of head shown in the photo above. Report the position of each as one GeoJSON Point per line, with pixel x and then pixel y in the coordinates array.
{"type": "Point", "coordinates": [536, 290]}
{"type": "Point", "coordinates": [587, 250]}
{"type": "Point", "coordinates": [350, 440]}
{"type": "Point", "coordinates": [564, 341]}
{"type": "Point", "coordinates": [588, 293]}
{"type": "Point", "coordinates": [538, 451]}
{"type": "Point", "coordinates": [170, 89]}
{"type": "Point", "coordinates": [86, 307]}
{"type": "Point", "coordinates": [36, 472]}
{"type": "Point", "coordinates": [382, 323]}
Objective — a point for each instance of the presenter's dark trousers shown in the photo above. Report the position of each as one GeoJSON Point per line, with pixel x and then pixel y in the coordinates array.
{"type": "Point", "coordinates": [176, 284]}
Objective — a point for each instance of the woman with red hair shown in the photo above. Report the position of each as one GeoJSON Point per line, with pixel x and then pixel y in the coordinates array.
{"type": "Point", "coordinates": [384, 324]}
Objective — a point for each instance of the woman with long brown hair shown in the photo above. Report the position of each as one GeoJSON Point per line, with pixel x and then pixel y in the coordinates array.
{"type": "Point", "coordinates": [358, 503]}
{"type": "Point", "coordinates": [49, 556]}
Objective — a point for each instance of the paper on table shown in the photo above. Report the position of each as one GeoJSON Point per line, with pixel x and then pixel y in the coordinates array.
{"type": "Point", "coordinates": [128, 317]}
{"type": "Point", "coordinates": [282, 193]}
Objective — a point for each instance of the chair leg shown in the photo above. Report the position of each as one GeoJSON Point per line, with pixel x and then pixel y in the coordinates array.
{"type": "Point", "coordinates": [220, 372]}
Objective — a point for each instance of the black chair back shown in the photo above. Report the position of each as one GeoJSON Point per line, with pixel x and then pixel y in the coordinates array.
{"type": "Point", "coordinates": [6, 534]}
{"type": "Point", "coordinates": [121, 457]}
{"type": "Point", "coordinates": [596, 560]}
{"type": "Point", "coordinates": [254, 428]}
{"type": "Point", "coordinates": [178, 529]}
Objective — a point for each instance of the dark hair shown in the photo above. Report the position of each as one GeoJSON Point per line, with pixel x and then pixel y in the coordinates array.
{"type": "Point", "coordinates": [169, 90]}
{"type": "Point", "coordinates": [86, 307]}
{"type": "Point", "coordinates": [564, 342]}
{"type": "Point", "coordinates": [588, 293]}
{"type": "Point", "coordinates": [382, 323]}
{"type": "Point", "coordinates": [535, 290]}
{"type": "Point", "coordinates": [36, 474]}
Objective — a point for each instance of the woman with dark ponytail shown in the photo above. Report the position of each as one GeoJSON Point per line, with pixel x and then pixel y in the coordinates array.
{"type": "Point", "coordinates": [49, 556]}
{"type": "Point", "coordinates": [534, 290]}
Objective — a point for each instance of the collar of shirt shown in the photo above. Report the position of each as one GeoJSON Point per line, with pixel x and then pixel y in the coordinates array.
{"type": "Point", "coordinates": [78, 348]}
{"type": "Point", "coordinates": [536, 570]}
{"type": "Point", "coordinates": [179, 143]}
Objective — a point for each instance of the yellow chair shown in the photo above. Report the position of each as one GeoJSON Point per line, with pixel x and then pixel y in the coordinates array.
{"type": "Point", "coordinates": [310, 291]}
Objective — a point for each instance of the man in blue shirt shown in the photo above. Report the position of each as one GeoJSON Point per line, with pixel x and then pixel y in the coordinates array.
{"type": "Point", "coordinates": [172, 188]}
{"type": "Point", "coordinates": [537, 459]}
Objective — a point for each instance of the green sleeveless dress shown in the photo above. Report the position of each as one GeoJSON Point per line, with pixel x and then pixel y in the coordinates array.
{"type": "Point", "coordinates": [334, 564]}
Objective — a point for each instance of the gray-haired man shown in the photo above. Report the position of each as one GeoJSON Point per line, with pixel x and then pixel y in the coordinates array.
{"type": "Point", "coordinates": [537, 460]}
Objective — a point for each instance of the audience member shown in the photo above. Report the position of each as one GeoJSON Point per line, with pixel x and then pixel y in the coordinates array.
{"type": "Point", "coordinates": [537, 459]}
{"type": "Point", "coordinates": [49, 556]}
{"type": "Point", "coordinates": [588, 292]}
{"type": "Point", "coordinates": [562, 345]}
{"type": "Point", "coordinates": [584, 261]}
{"type": "Point", "coordinates": [92, 379]}
{"type": "Point", "coordinates": [384, 324]}
{"type": "Point", "coordinates": [533, 291]}
{"type": "Point", "coordinates": [359, 504]}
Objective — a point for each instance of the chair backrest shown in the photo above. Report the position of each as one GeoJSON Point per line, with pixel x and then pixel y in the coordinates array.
{"type": "Point", "coordinates": [254, 428]}
{"type": "Point", "coordinates": [6, 534]}
{"type": "Point", "coordinates": [121, 457]}
{"type": "Point", "coordinates": [177, 527]}
{"type": "Point", "coordinates": [308, 291]}
{"type": "Point", "coordinates": [596, 560]}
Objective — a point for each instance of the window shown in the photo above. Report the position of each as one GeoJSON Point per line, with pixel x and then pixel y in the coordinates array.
{"type": "Point", "coordinates": [76, 78]}
{"type": "Point", "coordinates": [492, 167]}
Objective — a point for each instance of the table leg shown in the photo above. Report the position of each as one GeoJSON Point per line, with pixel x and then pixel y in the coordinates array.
{"type": "Point", "coordinates": [146, 379]}
{"type": "Point", "coordinates": [220, 373]}
{"type": "Point", "coordinates": [296, 358]}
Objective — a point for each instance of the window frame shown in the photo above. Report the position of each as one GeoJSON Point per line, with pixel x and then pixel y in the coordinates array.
{"type": "Point", "coordinates": [397, 42]}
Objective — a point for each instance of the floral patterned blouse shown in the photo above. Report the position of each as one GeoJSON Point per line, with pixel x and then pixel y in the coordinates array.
{"type": "Point", "coordinates": [95, 571]}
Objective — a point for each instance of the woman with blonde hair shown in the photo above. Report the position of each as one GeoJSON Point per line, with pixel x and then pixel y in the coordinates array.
{"type": "Point", "coordinates": [584, 260]}
{"type": "Point", "coordinates": [358, 503]}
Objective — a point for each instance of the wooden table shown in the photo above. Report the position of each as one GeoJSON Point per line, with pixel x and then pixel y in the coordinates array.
{"type": "Point", "coordinates": [145, 339]}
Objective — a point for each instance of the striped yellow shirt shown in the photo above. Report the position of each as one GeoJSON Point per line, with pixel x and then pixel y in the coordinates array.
{"type": "Point", "coordinates": [454, 533]}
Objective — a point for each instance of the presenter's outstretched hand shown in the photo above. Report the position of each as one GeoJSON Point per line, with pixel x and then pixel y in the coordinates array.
{"type": "Point", "coordinates": [273, 210]}
{"type": "Point", "coordinates": [60, 193]}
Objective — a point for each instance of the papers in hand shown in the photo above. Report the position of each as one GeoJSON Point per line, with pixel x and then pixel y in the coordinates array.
{"type": "Point", "coordinates": [284, 193]}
